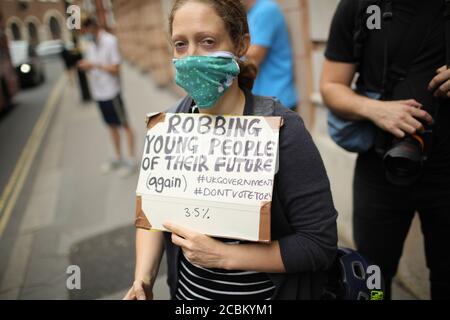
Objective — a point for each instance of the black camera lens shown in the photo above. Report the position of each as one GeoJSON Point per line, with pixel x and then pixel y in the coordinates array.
{"type": "Point", "coordinates": [404, 160]}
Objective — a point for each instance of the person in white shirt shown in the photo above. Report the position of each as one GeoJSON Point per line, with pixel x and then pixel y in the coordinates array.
{"type": "Point", "coordinates": [102, 63]}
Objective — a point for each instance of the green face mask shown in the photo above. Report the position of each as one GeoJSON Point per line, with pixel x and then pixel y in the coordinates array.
{"type": "Point", "coordinates": [206, 78]}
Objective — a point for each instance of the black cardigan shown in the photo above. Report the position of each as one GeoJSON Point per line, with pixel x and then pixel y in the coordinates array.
{"type": "Point", "coordinates": [303, 217]}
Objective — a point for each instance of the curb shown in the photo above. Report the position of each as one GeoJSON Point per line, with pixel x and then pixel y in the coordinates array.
{"type": "Point", "coordinates": [15, 184]}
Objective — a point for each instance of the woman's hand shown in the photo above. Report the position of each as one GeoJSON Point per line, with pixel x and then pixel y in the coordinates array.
{"type": "Point", "coordinates": [440, 84]}
{"type": "Point", "coordinates": [400, 117]}
{"type": "Point", "coordinates": [198, 248]}
{"type": "Point", "coordinates": [139, 291]}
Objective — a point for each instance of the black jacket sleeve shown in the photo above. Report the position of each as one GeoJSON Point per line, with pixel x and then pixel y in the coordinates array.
{"type": "Point", "coordinates": [304, 192]}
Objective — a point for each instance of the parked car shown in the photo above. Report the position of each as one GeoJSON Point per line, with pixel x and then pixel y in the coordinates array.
{"type": "Point", "coordinates": [29, 66]}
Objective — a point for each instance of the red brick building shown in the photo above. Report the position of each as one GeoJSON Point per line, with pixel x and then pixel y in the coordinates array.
{"type": "Point", "coordinates": [101, 9]}
{"type": "Point", "coordinates": [142, 31]}
{"type": "Point", "coordinates": [35, 20]}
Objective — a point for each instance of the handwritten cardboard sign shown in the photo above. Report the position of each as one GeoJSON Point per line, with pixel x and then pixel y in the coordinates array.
{"type": "Point", "coordinates": [212, 174]}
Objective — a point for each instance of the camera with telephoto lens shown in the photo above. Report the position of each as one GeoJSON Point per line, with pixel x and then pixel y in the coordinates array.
{"type": "Point", "coordinates": [404, 158]}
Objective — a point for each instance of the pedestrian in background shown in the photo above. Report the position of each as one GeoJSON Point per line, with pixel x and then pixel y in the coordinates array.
{"type": "Point", "coordinates": [70, 63]}
{"type": "Point", "coordinates": [78, 53]}
{"type": "Point", "coordinates": [271, 51]}
{"type": "Point", "coordinates": [102, 62]}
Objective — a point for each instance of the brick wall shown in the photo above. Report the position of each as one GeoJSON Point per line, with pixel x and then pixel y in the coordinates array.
{"type": "Point", "coordinates": [295, 13]}
{"type": "Point", "coordinates": [141, 29]}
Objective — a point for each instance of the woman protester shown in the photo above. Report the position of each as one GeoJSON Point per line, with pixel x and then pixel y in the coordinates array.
{"type": "Point", "coordinates": [208, 39]}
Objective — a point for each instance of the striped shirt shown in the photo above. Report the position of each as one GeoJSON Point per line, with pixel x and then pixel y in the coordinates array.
{"type": "Point", "coordinates": [198, 283]}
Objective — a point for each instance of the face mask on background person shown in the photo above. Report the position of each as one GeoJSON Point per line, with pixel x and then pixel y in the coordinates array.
{"type": "Point", "coordinates": [206, 78]}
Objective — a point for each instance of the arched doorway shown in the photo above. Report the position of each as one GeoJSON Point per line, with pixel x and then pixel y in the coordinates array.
{"type": "Point", "coordinates": [33, 33]}
{"type": "Point", "coordinates": [15, 31]}
{"type": "Point", "coordinates": [55, 28]}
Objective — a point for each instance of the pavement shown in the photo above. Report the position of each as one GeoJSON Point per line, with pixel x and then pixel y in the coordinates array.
{"type": "Point", "coordinates": [22, 129]}
{"type": "Point", "coordinates": [74, 215]}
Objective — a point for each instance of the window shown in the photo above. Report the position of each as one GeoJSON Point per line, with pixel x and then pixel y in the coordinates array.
{"type": "Point", "coordinates": [55, 28]}
{"type": "Point", "coordinates": [33, 33]}
{"type": "Point", "coordinates": [15, 30]}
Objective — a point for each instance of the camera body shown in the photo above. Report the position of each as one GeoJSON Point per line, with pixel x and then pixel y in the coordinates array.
{"type": "Point", "coordinates": [404, 158]}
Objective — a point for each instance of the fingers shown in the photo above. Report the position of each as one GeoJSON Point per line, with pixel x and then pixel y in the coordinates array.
{"type": "Point", "coordinates": [415, 124]}
{"type": "Point", "coordinates": [441, 69]}
{"type": "Point", "coordinates": [179, 241]}
{"type": "Point", "coordinates": [407, 128]}
{"type": "Point", "coordinates": [130, 295]}
{"type": "Point", "coordinates": [412, 103]}
{"type": "Point", "coordinates": [139, 290]}
{"type": "Point", "coordinates": [411, 123]}
{"type": "Point", "coordinates": [444, 90]}
{"type": "Point", "coordinates": [421, 114]}
{"type": "Point", "coordinates": [410, 120]}
{"type": "Point", "coordinates": [438, 79]}
{"type": "Point", "coordinates": [184, 232]}
{"type": "Point", "coordinates": [398, 133]}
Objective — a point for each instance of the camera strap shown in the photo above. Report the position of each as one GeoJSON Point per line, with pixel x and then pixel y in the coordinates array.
{"type": "Point", "coordinates": [387, 20]}
{"type": "Point", "coordinates": [447, 32]}
{"type": "Point", "coordinates": [360, 31]}
{"type": "Point", "coordinates": [396, 70]}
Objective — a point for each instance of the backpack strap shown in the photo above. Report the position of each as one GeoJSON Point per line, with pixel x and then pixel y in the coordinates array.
{"type": "Point", "coordinates": [360, 31]}
{"type": "Point", "coordinates": [387, 18]}
{"type": "Point", "coordinates": [447, 32]}
{"type": "Point", "coordinates": [264, 106]}
{"type": "Point", "coordinates": [181, 106]}
{"type": "Point", "coordinates": [397, 70]}
{"type": "Point", "coordinates": [173, 109]}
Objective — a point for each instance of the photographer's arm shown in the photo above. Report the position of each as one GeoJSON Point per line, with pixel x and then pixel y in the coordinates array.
{"type": "Point", "coordinates": [396, 117]}
{"type": "Point", "coordinates": [149, 251]}
{"type": "Point", "coordinates": [335, 87]}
